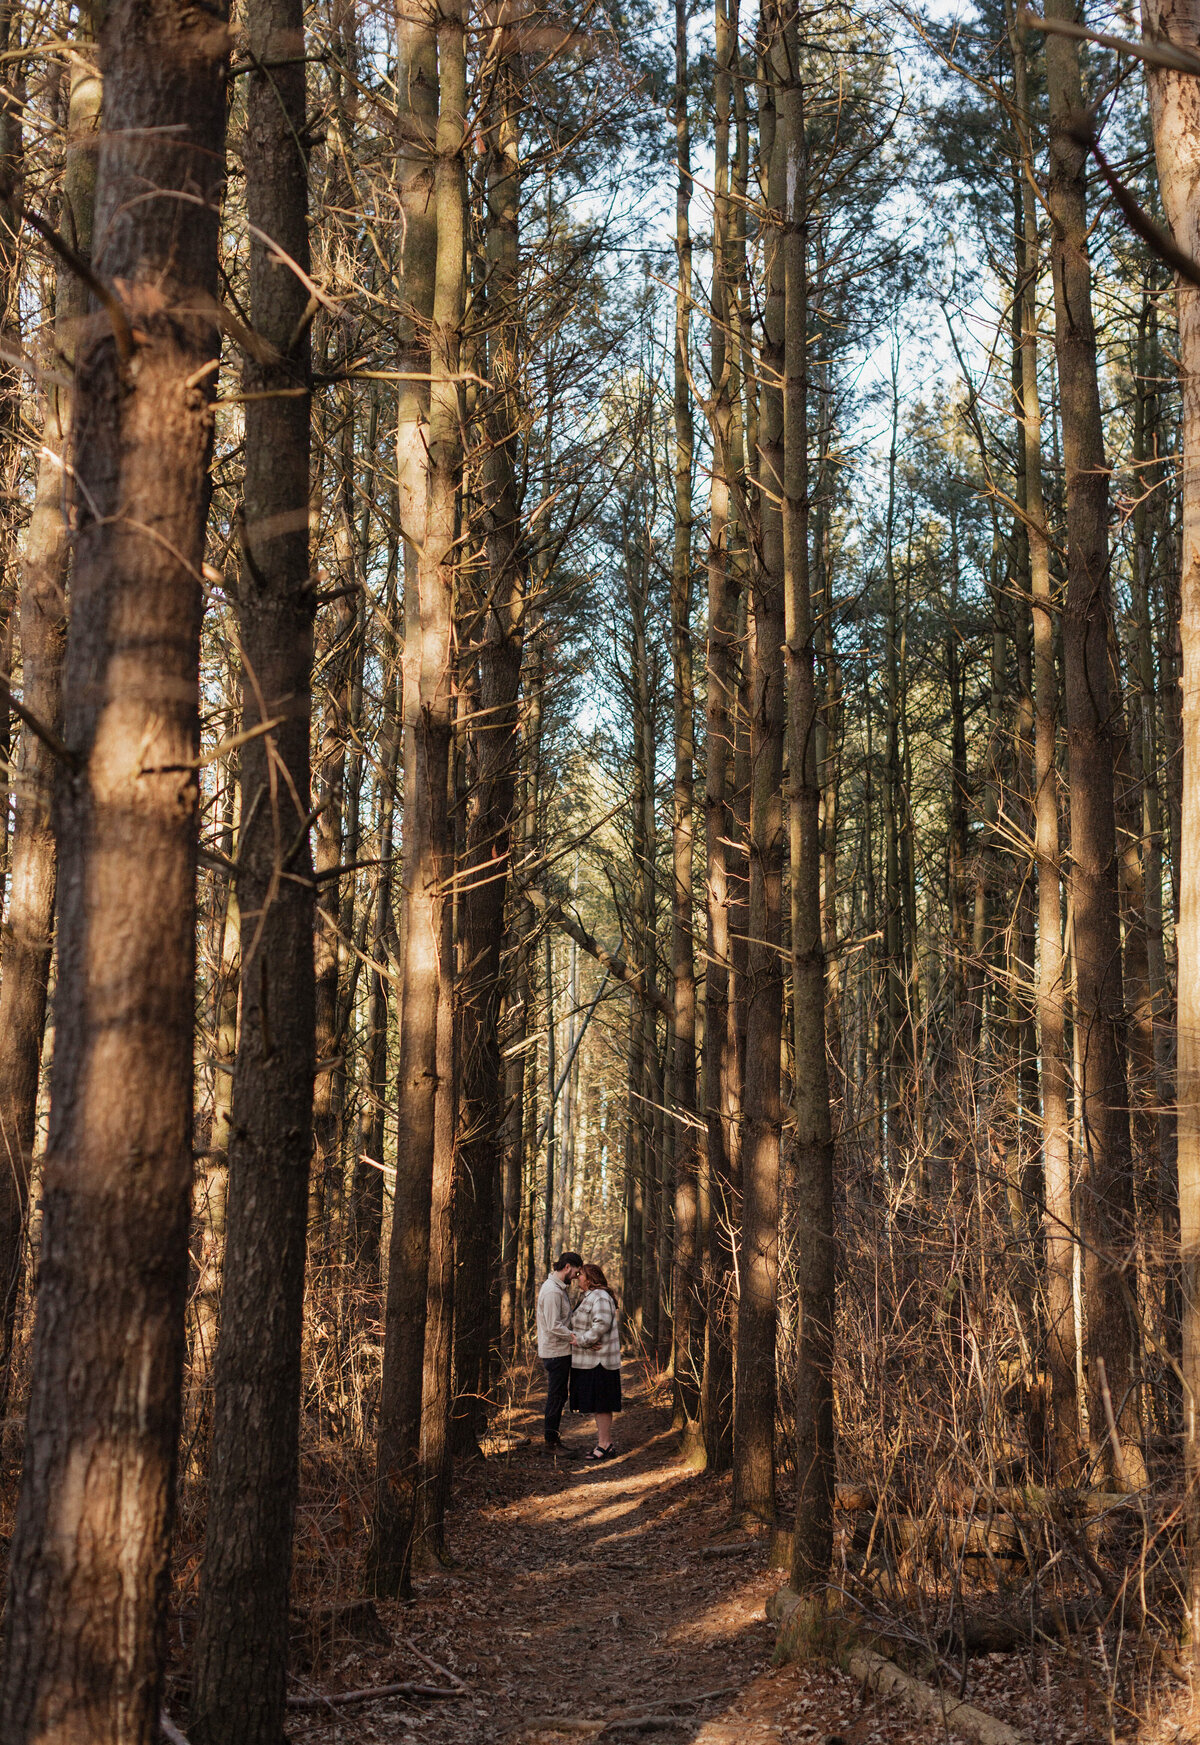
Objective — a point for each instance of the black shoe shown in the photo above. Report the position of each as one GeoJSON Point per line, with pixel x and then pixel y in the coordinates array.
{"type": "Point", "coordinates": [556, 1445]}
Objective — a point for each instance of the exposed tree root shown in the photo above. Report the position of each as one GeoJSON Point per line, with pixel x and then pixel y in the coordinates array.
{"type": "Point", "coordinates": [806, 1627]}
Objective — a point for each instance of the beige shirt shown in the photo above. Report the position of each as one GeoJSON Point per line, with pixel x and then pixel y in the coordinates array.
{"type": "Point", "coordinates": [554, 1319]}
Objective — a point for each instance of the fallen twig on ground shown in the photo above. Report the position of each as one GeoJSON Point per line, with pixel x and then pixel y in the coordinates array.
{"type": "Point", "coordinates": [374, 1693]}
{"type": "Point", "coordinates": [435, 1666]}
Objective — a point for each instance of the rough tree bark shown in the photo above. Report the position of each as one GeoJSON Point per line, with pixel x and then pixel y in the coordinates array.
{"type": "Point", "coordinates": [240, 1661]}
{"type": "Point", "coordinates": [496, 642]}
{"type": "Point", "coordinates": [719, 1045]}
{"type": "Point", "coordinates": [1056, 1149]}
{"type": "Point", "coordinates": [1105, 1164]}
{"type": "Point", "coordinates": [688, 1324]}
{"type": "Point", "coordinates": [646, 1091]}
{"type": "Point", "coordinates": [87, 1582]}
{"type": "Point", "coordinates": [43, 586]}
{"type": "Point", "coordinates": [812, 1142]}
{"type": "Point", "coordinates": [1175, 111]}
{"type": "Point", "coordinates": [428, 727]}
{"type": "Point", "coordinates": [754, 1402]}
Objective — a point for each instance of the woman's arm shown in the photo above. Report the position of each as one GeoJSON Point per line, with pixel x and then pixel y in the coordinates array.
{"type": "Point", "coordinates": [601, 1316]}
{"type": "Point", "coordinates": [592, 1334]}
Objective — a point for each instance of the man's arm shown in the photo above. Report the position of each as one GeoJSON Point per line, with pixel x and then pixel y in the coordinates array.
{"type": "Point", "coordinates": [563, 1313]}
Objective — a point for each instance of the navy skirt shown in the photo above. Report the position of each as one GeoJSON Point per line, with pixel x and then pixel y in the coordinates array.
{"type": "Point", "coordinates": [595, 1390]}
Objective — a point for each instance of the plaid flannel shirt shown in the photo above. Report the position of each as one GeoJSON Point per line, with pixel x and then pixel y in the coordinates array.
{"type": "Point", "coordinates": [596, 1325]}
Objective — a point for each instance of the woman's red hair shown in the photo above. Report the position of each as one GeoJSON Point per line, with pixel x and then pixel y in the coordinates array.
{"type": "Point", "coordinates": [594, 1279]}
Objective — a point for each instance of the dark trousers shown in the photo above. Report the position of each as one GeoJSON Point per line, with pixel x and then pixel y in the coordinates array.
{"type": "Point", "coordinates": [558, 1380]}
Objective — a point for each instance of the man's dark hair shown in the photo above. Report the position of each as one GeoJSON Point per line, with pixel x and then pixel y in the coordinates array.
{"type": "Point", "coordinates": [570, 1258]}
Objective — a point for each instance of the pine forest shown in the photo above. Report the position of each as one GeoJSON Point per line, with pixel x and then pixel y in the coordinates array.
{"type": "Point", "coordinates": [599, 733]}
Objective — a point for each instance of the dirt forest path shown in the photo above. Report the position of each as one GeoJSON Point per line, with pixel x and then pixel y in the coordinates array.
{"type": "Point", "coordinates": [614, 1602]}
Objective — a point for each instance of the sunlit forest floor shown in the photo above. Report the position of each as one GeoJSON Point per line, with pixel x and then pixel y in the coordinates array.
{"type": "Point", "coordinates": [614, 1603]}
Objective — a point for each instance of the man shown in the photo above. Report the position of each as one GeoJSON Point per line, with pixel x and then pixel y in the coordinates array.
{"type": "Point", "coordinates": [554, 1340]}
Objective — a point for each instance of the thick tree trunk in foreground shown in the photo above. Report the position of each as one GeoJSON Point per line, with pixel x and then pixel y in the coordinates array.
{"type": "Point", "coordinates": [240, 1663]}
{"type": "Point", "coordinates": [1106, 1167]}
{"type": "Point", "coordinates": [29, 934]}
{"type": "Point", "coordinates": [88, 1576]}
{"type": "Point", "coordinates": [426, 970]}
{"type": "Point", "coordinates": [1175, 109]}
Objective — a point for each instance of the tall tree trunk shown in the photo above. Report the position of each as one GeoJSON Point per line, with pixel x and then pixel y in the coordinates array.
{"type": "Point", "coordinates": [87, 1582]}
{"type": "Point", "coordinates": [426, 748]}
{"type": "Point", "coordinates": [240, 1661]}
{"type": "Point", "coordinates": [745, 455]}
{"type": "Point", "coordinates": [496, 642]}
{"type": "Point", "coordinates": [895, 1050]}
{"type": "Point", "coordinates": [1173, 107]}
{"type": "Point", "coordinates": [43, 588]}
{"type": "Point", "coordinates": [522, 1057]}
{"type": "Point", "coordinates": [960, 793]}
{"type": "Point", "coordinates": [829, 740]}
{"type": "Point", "coordinates": [513, 1038]}
{"type": "Point", "coordinates": [812, 1154]}
{"type": "Point", "coordinates": [645, 854]}
{"type": "Point", "coordinates": [719, 1045]}
{"type": "Point", "coordinates": [1146, 437]}
{"type": "Point", "coordinates": [428, 679]}
{"type": "Point", "coordinates": [1059, 1239]}
{"type": "Point", "coordinates": [635, 1220]}
{"type": "Point", "coordinates": [688, 1325]}
{"type": "Point", "coordinates": [754, 1405]}
{"type": "Point", "coordinates": [1105, 1163]}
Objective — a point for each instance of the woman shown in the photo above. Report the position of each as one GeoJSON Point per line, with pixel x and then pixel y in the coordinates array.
{"type": "Point", "coordinates": [596, 1358]}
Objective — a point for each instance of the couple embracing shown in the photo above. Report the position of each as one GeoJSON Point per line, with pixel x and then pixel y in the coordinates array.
{"type": "Point", "coordinates": [579, 1343]}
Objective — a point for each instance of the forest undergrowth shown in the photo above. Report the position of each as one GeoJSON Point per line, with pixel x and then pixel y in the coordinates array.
{"type": "Point", "coordinates": [632, 1601]}
{"type": "Point", "coordinates": [627, 1603]}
